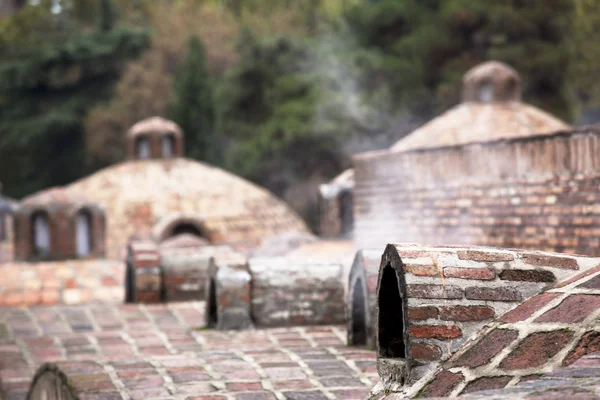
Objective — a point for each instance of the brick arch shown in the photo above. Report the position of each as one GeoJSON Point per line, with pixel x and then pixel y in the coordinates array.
{"type": "Point", "coordinates": [169, 226]}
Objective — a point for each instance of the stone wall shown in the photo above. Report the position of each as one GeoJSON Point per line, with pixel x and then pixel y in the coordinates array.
{"type": "Point", "coordinates": [537, 193]}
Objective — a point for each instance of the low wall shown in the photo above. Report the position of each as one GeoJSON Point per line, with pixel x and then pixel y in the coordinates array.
{"type": "Point", "coordinates": [536, 193]}
{"type": "Point", "coordinates": [61, 282]}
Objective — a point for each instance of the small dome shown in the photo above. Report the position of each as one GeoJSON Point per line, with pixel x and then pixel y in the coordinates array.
{"type": "Point", "coordinates": [492, 110]}
{"type": "Point", "coordinates": [491, 82]}
{"type": "Point", "coordinates": [154, 138]}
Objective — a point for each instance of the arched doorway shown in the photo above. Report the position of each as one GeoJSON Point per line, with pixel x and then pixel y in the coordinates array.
{"type": "Point", "coordinates": [40, 234]}
{"type": "Point", "coordinates": [391, 316]}
{"type": "Point", "coordinates": [83, 233]}
{"type": "Point", "coordinates": [359, 314]}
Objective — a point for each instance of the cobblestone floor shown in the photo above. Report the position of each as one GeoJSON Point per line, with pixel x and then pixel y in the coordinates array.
{"type": "Point", "coordinates": [147, 352]}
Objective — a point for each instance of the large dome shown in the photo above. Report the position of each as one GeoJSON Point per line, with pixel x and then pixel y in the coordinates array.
{"type": "Point", "coordinates": [163, 198]}
{"type": "Point", "coordinates": [491, 110]}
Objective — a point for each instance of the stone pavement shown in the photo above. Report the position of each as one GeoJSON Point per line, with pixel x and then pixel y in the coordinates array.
{"type": "Point", "coordinates": [162, 351]}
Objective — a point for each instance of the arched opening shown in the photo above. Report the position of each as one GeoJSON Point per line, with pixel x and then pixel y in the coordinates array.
{"type": "Point", "coordinates": [142, 147]}
{"type": "Point", "coordinates": [359, 314]}
{"type": "Point", "coordinates": [40, 234]}
{"type": "Point", "coordinates": [486, 92]}
{"type": "Point", "coordinates": [83, 233]}
{"type": "Point", "coordinates": [211, 304]}
{"type": "Point", "coordinates": [168, 146]}
{"type": "Point", "coordinates": [181, 229]}
{"type": "Point", "coordinates": [391, 316]}
{"type": "Point", "coordinates": [346, 207]}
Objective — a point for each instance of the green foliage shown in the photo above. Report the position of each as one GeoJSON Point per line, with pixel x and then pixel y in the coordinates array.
{"type": "Point", "coordinates": [46, 88]}
{"type": "Point", "coordinates": [426, 46]}
{"type": "Point", "coordinates": [193, 109]}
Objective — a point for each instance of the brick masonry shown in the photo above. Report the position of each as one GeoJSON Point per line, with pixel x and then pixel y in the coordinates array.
{"type": "Point", "coordinates": [162, 351]}
{"type": "Point", "coordinates": [61, 282]}
{"type": "Point", "coordinates": [529, 344]}
{"type": "Point", "coordinates": [467, 289]}
{"type": "Point", "coordinates": [539, 193]}
{"type": "Point", "coordinates": [282, 291]}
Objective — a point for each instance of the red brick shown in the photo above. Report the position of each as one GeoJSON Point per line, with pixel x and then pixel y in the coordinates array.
{"type": "Point", "coordinates": [32, 297]}
{"type": "Point", "coordinates": [71, 284]}
{"type": "Point", "coordinates": [466, 313]}
{"type": "Point", "coordinates": [13, 299]}
{"type": "Point", "coordinates": [492, 294]}
{"type": "Point", "coordinates": [421, 270]}
{"type": "Point", "coordinates": [527, 275]}
{"type": "Point", "coordinates": [589, 343]}
{"type": "Point", "coordinates": [435, 331]}
{"type": "Point", "coordinates": [536, 350]}
{"type": "Point", "coordinates": [480, 384]}
{"type": "Point", "coordinates": [593, 283]}
{"type": "Point", "coordinates": [525, 310]}
{"type": "Point", "coordinates": [476, 255]}
{"type": "Point", "coordinates": [572, 309]}
{"type": "Point", "coordinates": [243, 386]}
{"type": "Point", "coordinates": [425, 352]}
{"type": "Point", "coordinates": [542, 260]}
{"type": "Point", "coordinates": [292, 384]}
{"type": "Point", "coordinates": [487, 348]}
{"type": "Point", "coordinates": [443, 384]}
{"type": "Point", "coordinates": [434, 292]}
{"type": "Point", "coordinates": [109, 281]}
{"type": "Point", "coordinates": [470, 273]}
{"type": "Point", "coordinates": [421, 313]}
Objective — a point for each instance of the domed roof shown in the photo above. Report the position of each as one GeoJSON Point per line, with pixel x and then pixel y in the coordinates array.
{"type": "Point", "coordinates": [491, 110]}
{"type": "Point", "coordinates": [153, 196]}
{"type": "Point", "coordinates": [154, 125]}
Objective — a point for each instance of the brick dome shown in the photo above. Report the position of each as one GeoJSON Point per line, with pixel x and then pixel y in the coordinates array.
{"type": "Point", "coordinates": [154, 138]}
{"type": "Point", "coordinates": [492, 110]}
{"type": "Point", "coordinates": [166, 198]}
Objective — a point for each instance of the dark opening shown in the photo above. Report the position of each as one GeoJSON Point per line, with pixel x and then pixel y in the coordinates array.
{"type": "Point", "coordinates": [3, 224]}
{"type": "Point", "coordinates": [391, 317]}
{"type": "Point", "coordinates": [346, 204]}
{"type": "Point", "coordinates": [185, 228]}
{"type": "Point", "coordinates": [129, 281]}
{"type": "Point", "coordinates": [211, 303]}
{"type": "Point", "coordinates": [359, 323]}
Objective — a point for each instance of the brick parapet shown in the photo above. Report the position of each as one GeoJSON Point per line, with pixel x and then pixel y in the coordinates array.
{"type": "Point", "coordinates": [543, 334]}
{"type": "Point", "coordinates": [61, 282]}
{"type": "Point", "coordinates": [448, 294]}
{"type": "Point", "coordinates": [539, 192]}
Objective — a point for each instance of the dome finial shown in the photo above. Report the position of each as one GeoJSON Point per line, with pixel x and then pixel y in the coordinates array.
{"type": "Point", "coordinates": [491, 82]}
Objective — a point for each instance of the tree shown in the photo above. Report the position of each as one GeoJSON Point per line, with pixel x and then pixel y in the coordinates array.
{"type": "Point", "coordinates": [193, 108]}
{"type": "Point", "coordinates": [46, 88]}
{"type": "Point", "coordinates": [425, 46]}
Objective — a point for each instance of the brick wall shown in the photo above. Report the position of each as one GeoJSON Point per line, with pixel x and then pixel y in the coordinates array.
{"type": "Point", "coordinates": [439, 297]}
{"type": "Point", "coordinates": [536, 193]}
{"type": "Point", "coordinates": [61, 282]}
